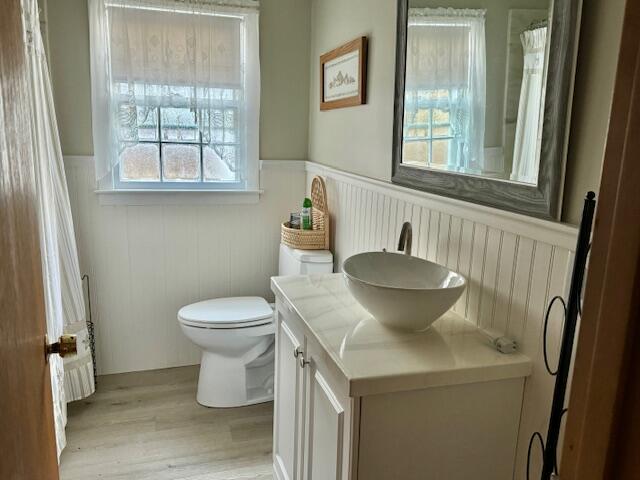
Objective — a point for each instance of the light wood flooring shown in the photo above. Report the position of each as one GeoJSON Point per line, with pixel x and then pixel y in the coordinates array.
{"type": "Point", "coordinates": [147, 425]}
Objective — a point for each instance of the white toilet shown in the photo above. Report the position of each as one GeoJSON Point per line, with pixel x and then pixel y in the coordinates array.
{"type": "Point", "coordinates": [236, 336]}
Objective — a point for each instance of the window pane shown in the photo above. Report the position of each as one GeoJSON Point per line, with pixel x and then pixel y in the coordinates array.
{"type": "Point", "coordinates": [180, 163]}
{"type": "Point", "coordinates": [229, 155]}
{"type": "Point", "coordinates": [179, 125]}
{"type": "Point", "coordinates": [415, 153]}
{"type": "Point", "coordinates": [422, 116]}
{"type": "Point", "coordinates": [440, 116]}
{"type": "Point", "coordinates": [148, 123]}
{"type": "Point", "coordinates": [127, 122]}
{"type": "Point", "coordinates": [416, 123]}
{"type": "Point", "coordinates": [230, 118]}
{"type": "Point", "coordinates": [137, 123]}
{"type": "Point", "coordinates": [215, 169]}
{"type": "Point", "coordinates": [417, 133]}
{"type": "Point", "coordinates": [140, 163]}
{"type": "Point", "coordinates": [441, 131]}
{"type": "Point", "coordinates": [441, 152]}
{"type": "Point", "coordinates": [213, 126]}
{"type": "Point", "coordinates": [219, 126]}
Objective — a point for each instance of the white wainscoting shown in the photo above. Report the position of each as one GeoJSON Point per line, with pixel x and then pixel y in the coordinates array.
{"type": "Point", "coordinates": [514, 266]}
{"type": "Point", "coordinates": [146, 261]}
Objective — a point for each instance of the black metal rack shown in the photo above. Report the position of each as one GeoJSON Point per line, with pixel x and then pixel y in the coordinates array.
{"type": "Point", "coordinates": [572, 309]}
{"type": "Point", "coordinates": [91, 330]}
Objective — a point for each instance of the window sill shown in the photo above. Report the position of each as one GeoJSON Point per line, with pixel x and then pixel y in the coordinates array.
{"type": "Point", "coordinates": [178, 197]}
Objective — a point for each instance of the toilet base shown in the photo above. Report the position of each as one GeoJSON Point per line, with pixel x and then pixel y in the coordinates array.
{"type": "Point", "coordinates": [226, 382]}
{"type": "Point", "coordinates": [256, 401]}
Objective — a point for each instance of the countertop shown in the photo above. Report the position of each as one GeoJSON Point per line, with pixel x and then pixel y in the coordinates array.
{"type": "Point", "coordinates": [376, 359]}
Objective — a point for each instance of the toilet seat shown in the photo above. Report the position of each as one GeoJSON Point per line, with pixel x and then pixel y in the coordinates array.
{"type": "Point", "coordinates": [227, 313]}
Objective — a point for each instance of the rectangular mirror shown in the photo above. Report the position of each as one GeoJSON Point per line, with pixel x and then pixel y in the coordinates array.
{"type": "Point", "coordinates": [482, 100]}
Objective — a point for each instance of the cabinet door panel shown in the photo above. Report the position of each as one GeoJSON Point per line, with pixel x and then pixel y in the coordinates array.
{"type": "Point", "coordinates": [288, 408]}
{"type": "Point", "coordinates": [325, 431]}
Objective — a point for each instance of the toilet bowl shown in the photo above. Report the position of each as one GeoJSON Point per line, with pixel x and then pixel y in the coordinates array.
{"type": "Point", "coordinates": [236, 336]}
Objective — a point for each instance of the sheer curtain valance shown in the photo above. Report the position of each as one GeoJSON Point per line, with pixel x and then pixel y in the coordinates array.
{"type": "Point", "coordinates": [446, 67]}
{"type": "Point", "coordinates": [175, 91]}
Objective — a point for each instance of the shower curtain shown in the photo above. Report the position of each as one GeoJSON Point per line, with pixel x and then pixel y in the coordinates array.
{"type": "Point", "coordinates": [71, 379]}
{"type": "Point", "coordinates": [526, 150]}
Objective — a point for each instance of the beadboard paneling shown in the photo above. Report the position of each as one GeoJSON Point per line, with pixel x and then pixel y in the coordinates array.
{"type": "Point", "coordinates": [146, 261]}
{"type": "Point", "coordinates": [513, 264]}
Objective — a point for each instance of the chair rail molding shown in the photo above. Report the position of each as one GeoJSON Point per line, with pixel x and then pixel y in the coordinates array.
{"type": "Point", "coordinates": [558, 233]}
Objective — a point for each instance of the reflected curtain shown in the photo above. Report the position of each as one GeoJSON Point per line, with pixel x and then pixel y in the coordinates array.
{"type": "Point", "coordinates": [64, 299]}
{"type": "Point", "coordinates": [446, 50]}
{"type": "Point", "coordinates": [526, 152]}
{"type": "Point", "coordinates": [174, 54]}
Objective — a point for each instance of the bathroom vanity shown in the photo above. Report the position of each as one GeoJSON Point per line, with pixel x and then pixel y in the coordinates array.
{"type": "Point", "coordinates": [356, 400]}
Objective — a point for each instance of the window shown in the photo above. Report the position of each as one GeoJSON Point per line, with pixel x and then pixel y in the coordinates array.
{"type": "Point", "coordinates": [444, 102]}
{"type": "Point", "coordinates": [170, 144]}
{"type": "Point", "coordinates": [430, 137]}
{"type": "Point", "coordinates": [175, 89]}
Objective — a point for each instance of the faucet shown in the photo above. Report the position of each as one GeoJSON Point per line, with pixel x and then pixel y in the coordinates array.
{"type": "Point", "coordinates": [404, 243]}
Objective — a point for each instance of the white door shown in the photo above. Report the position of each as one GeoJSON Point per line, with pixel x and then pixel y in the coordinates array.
{"type": "Point", "coordinates": [325, 418]}
{"type": "Point", "coordinates": [288, 407]}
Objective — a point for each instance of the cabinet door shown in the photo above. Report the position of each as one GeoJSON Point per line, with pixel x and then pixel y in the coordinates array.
{"type": "Point", "coordinates": [325, 416]}
{"type": "Point", "coordinates": [288, 406]}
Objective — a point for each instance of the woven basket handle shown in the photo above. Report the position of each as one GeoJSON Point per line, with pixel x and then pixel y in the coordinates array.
{"type": "Point", "coordinates": [319, 195]}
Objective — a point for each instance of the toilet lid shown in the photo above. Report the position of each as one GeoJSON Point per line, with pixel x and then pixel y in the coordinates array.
{"type": "Point", "coordinates": [227, 312]}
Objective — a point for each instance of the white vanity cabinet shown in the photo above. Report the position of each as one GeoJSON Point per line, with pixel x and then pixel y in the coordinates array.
{"type": "Point", "coordinates": [356, 401]}
{"type": "Point", "coordinates": [289, 409]}
{"type": "Point", "coordinates": [312, 413]}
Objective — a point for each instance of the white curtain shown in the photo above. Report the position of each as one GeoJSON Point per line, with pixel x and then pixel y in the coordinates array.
{"type": "Point", "coordinates": [446, 51]}
{"type": "Point", "coordinates": [199, 54]}
{"type": "Point", "coordinates": [64, 300]}
{"type": "Point", "coordinates": [526, 152]}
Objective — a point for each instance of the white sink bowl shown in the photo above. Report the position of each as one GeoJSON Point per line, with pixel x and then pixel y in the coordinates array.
{"type": "Point", "coordinates": [401, 291]}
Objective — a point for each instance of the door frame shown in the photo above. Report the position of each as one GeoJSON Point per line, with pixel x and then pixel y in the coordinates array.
{"type": "Point", "coordinates": [602, 428]}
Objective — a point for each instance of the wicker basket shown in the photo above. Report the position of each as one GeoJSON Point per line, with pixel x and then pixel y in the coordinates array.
{"type": "Point", "coordinates": [318, 238]}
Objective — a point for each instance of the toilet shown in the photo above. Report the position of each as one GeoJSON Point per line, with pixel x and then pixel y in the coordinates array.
{"type": "Point", "coordinates": [236, 336]}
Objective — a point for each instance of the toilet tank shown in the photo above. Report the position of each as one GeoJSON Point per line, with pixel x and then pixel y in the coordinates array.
{"type": "Point", "coordinates": [304, 262]}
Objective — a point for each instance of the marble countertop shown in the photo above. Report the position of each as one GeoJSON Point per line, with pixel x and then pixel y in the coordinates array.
{"type": "Point", "coordinates": [376, 359]}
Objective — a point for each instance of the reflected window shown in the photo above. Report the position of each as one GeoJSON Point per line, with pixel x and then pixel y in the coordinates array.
{"type": "Point", "coordinates": [445, 89]}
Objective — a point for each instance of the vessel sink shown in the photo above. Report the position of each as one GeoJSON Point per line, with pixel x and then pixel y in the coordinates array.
{"type": "Point", "coordinates": [401, 291]}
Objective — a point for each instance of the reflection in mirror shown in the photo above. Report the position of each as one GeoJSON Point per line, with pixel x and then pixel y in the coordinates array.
{"type": "Point", "coordinates": [475, 88]}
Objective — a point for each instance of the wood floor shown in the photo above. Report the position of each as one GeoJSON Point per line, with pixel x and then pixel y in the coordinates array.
{"type": "Point", "coordinates": [147, 425]}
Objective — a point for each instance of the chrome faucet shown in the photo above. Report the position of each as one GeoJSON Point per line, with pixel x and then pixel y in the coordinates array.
{"type": "Point", "coordinates": [404, 243]}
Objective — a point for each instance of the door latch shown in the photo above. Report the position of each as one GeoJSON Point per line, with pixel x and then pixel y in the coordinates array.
{"type": "Point", "coordinates": [66, 345]}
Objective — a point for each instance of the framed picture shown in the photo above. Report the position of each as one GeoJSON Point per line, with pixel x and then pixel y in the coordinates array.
{"type": "Point", "coordinates": [343, 75]}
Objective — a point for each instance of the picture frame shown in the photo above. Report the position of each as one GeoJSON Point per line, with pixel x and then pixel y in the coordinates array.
{"type": "Point", "coordinates": [343, 75]}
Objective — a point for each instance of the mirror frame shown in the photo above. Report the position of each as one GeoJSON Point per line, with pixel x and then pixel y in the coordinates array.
{"type": "Point", "coordinates": [543, 200]}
